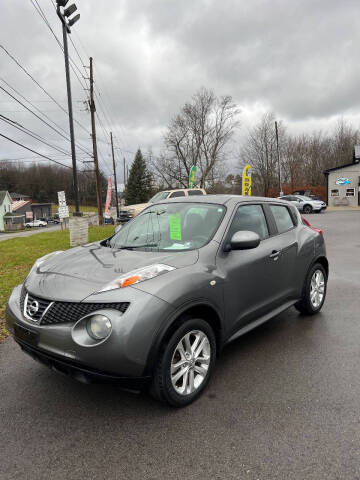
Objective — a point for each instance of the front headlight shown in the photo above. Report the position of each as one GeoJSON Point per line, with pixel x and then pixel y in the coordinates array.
{"type": "Point", "coordinates": [41, 260]}
{"type": "Point", "coordinates": [136, 276]}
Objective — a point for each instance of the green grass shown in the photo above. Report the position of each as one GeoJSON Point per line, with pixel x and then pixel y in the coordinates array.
{"type": "Point", "coordinates": [17, 256]}
{"type": "Point", "coordinates": [83, 208]}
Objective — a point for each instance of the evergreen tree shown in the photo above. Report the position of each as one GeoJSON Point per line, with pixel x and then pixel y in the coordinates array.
{"type": "Point", "coordinates": [138, 188]}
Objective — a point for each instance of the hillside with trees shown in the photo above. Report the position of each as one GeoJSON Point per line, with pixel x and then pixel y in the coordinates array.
{"type": "Point", "coordinates": [42, 182]}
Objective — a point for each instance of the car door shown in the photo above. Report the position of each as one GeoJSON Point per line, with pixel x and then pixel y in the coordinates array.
{"type": "Point", "coordinates": [285, 224]}
{"type": "Point", "coordinates": [252, 278]}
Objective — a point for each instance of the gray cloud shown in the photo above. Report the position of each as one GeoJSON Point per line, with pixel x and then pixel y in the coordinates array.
{"type": "Point", "coordinates": [299, 59]}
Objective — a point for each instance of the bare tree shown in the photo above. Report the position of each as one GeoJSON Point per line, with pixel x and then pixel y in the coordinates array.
{"type": "Point", "coordinates": [197, 135]}
{"type": "Point", "coordinates": [260, 152]}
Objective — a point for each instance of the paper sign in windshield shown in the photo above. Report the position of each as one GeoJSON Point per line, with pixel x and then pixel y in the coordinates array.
{"type": "Point", "coordinates": [175, 227]}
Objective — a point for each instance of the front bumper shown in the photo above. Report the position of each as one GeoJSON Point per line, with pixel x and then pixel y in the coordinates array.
{"type": "Point", "coordinates": [79, 372]}
{"type": "Point", "coordinates": [122, 357]}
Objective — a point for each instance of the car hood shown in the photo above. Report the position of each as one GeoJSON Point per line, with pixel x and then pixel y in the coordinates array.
{"type": "Point", "coordinates": [138, 207]}
{"type": "Point", "coordinates": [77, 273]}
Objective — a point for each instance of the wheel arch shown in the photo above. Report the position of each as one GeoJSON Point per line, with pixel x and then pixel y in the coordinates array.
{"type": "Point", "coordinates": [203, 310]}
{"type": "Point", "coordinates": [324, 262]}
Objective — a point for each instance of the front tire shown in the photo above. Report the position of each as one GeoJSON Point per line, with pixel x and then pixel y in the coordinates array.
{"type": "Point", "coordinates": [314, 291]}
{"type": "Point", "coordinates": [307, 209]}
{"type": "Point", "coordinates": [185, 364]}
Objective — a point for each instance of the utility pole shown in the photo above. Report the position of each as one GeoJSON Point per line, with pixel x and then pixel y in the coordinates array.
{"type": "Point", "coordinates": [278, 156]}
{"type": "Point", "coordinates": [124, 173]}
{"type": "Point", "coordinates": [64, 14]}
{"type": "Point", "coordinates": [115, 180]}
{"type": "Point", "coordinates": [93, 136]}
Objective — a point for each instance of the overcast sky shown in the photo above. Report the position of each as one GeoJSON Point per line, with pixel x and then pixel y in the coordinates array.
{"type": "Point", "coordinates": [299, 59]}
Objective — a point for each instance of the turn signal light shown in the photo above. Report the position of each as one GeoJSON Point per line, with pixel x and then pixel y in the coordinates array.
{"type": "Point", "coordinates": [129, 281]}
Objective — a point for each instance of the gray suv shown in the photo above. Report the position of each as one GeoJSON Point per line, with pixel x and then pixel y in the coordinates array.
{"type": "Point", "coordinates": [305, 204]}
{"type": "Point", "coordinates": [153, 305]}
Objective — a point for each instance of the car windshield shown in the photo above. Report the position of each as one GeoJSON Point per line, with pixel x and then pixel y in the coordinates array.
{"type": "Point", "coordinates": [171, 226]}
{"type": "Point", "coordinates": [305, 198]}
{"type": "Point", "coordinates": [158, 196]}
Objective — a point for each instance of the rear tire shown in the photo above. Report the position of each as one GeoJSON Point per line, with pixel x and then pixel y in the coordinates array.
{"type": "Point", "coordinates": [185, 364]}
{"type": "Point", "coordinates": [314, 291]}
{"type": "Point", "coordinates": [307, 209]}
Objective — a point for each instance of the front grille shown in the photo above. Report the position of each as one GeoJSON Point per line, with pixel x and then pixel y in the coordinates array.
{"type": "Point", "coordinates": [62, 312]}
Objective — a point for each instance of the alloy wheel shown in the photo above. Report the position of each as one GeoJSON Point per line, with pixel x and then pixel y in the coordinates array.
{"type": "Point", "coordinates": [317, 288]}
{"type": "Point", "coordinates": [190, 362]}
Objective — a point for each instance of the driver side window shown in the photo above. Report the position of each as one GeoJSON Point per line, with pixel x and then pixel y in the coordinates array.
{"type": "Point", "coordinates": [250, 218]}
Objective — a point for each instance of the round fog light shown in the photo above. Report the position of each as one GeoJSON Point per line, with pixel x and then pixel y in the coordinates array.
{"type": "Point", "coordinates": [98, 327]}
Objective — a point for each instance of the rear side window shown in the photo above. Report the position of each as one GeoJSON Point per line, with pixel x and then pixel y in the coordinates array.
{"type": "Point", "coordinates": [283, 219]}
{"type": "Point", "coordinates": [177, 194]}
{"type": "Point", "coordinates": [250, 218]}
{"type": "Point", "coordinates": [195, 192]}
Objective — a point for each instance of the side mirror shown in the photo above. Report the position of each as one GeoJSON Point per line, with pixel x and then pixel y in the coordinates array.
{"type": "Point", "coordinates": [244, 240]}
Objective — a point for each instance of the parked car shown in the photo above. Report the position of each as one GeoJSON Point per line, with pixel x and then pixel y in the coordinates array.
{"type": "Point", "coordinates": [109, 220]}
{"type": "Point", "coordinates": [153, 305]}
{"type": "Point", "coordinates": [130, 211]}
{"type": "Point", "coordinates": [35, 223]}
{"type": "Point", "coordinates": [305, 204]}
{"type": "Point", "coordinates": [54, 220]}
{"type": "Point", "coordinates": [307, 193]}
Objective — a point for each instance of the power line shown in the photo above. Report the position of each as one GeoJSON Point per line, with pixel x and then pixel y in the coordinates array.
{"type": "Point", "coordinates": [47, 23]}
{"type": "Point", "coordinates": [32, 134]}
{"type": "Point", "coordinates": [37, 116]}
{"type": "Point", "coordinates": [40, 86]}
{"type": "Point", "coordinates": [34, 151]}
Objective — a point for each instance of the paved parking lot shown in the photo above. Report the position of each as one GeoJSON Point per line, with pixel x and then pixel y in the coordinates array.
{"type": "Point", "coordinates": [284, 402]}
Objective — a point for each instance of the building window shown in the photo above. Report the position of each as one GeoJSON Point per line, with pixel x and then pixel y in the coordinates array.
{"type": "Point", "coordinates": [335, 192]}
{"type": "Point", "coordinates": [350, 192]}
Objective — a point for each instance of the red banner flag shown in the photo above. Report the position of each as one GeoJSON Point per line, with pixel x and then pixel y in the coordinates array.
{"type": "Point", "coordinates": [108, 199]}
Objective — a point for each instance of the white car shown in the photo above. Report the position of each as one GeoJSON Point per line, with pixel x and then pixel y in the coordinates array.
{"type": "Point", "coordinates": [35, 223]}
{"type": "Point", "coordinates": [305, 204]}
{"type": "Point", "coordinates": [130, 211]}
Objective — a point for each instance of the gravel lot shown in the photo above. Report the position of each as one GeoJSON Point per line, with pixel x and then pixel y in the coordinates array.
{"type": "Point", "coordinates": [284, 402]}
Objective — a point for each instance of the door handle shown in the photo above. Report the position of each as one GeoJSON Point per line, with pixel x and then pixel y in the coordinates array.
{"type": "Point", "coordinates": [275, 254]}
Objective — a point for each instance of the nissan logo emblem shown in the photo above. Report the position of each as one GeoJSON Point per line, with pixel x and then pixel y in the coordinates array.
{"type": "Point", "coordinates": [32, 308]}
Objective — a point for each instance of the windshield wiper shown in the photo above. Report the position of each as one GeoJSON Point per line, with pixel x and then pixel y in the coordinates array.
{"type": "Point", "coordinates": [130, 247]}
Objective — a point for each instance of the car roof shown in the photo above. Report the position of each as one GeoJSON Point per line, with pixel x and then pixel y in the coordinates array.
{"type": "Point", "coordinates": [222, 199]}
{"type": "Point", "coordinates": [181, 189]}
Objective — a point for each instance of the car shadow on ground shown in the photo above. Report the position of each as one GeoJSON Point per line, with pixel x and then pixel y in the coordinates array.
{"type": "Point", "coordinates": [271, 344]}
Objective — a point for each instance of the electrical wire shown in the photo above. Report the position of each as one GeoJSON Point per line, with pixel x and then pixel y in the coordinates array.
{"type": "Point", "coordinates": [40, 86]}
{"type": "Point", "coordinates": [37, 116]}
{"type": "Point", "coordinates": [47, 23]}
{"type": "Point", "coordinates": [32, 134]}
{"type": "Point", "coordinates": [34, 151]}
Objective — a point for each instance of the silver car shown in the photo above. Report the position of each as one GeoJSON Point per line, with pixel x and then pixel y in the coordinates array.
{"type": "Point", "coordinates": [154, 305]}
{"type": "Point", "coordinates": [305, 204]}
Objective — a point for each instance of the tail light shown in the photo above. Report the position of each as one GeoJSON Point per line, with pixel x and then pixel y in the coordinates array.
{"type": "Point", "coordinates": [305, 222]}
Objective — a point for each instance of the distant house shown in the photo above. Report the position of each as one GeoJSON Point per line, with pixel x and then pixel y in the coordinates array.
{"type": "Point", "coordinates": [5, 207]}
{"type": "Point", "coordinates": [41, 210]}
{"type": "Point", "coordinates": [21, 207]}
{"type": "Point", "coordinates": [17, 197]}
{"type": "Point", "coordinates": [9, 220]}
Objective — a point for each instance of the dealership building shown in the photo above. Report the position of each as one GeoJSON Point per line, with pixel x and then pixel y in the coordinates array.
{"type": "Point", "coordinates": [343, 183]}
